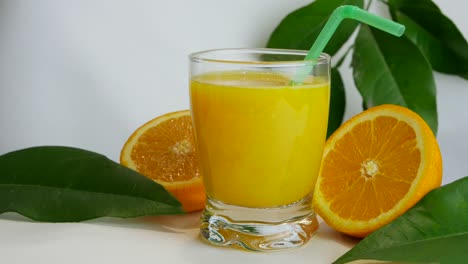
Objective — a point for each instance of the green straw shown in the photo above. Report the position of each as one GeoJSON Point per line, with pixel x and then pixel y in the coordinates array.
{"type": "Point", "coordinates": [342, 12]}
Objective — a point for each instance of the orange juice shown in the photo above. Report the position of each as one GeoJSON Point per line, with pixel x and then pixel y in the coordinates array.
{"type": "Point", "coordinates": [260, 140]}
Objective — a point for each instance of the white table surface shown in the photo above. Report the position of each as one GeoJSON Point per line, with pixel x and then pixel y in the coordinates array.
{"type": "Point", "coordinates": [164, 239]}
{"type": "Point", "coordinates": [87, 73]}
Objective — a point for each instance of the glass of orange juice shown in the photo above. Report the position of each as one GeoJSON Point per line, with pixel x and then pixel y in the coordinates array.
{"type": "Point", "coordinates": [260, 139]}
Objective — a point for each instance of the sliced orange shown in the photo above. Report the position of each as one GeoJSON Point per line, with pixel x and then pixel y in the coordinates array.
{"type": "Point", "coordinates": [163, 149]}
{"type": "Point", "coordinates": [375, 167]}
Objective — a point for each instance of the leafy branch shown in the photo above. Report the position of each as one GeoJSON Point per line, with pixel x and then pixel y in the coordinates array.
{"type": "Point", "coordinates": [386, 69]}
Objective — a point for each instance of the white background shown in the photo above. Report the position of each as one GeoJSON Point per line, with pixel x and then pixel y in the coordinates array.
{"type": "Point", "coordinates": [88, 73]}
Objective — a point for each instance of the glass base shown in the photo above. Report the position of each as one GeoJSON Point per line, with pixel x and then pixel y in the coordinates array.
{"type": "Point", "coordinates": [273, 229]}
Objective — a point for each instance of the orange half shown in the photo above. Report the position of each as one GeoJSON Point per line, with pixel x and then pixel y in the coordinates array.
{"type": "Point", "coordinates": [375, 167]}
{"type": "Point", "coordinates": [163, 149]}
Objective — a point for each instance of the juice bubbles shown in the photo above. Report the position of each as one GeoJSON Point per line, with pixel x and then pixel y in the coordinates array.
{"type": "Point", "coordinates": [260, 140]}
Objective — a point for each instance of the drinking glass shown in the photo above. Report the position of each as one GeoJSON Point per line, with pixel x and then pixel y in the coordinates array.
{"type": "Point", "coordinates": [260, 138]}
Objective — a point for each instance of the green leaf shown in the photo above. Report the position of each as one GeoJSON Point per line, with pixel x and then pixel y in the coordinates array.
{"type": "Point", "coordinates": [392, 70]}
{"type": "Point", "coordinates": [62, 184]}
{"type": "Point", "coordinates": [435, 35]}
{"type": "Point", "coordinates": [299, 29]}
{"type": "Point", "coordinates": [364, 105]}
{"type": "Point", "coordinates": [337, 102]}
{"type": "Point", "coordinates": [435, 230]}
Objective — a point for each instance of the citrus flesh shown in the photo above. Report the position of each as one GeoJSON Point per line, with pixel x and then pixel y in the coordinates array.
{"type": "Point", "coordinates": [163, 149]}
{"type": "Point", "coordinates": [375, 167]}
